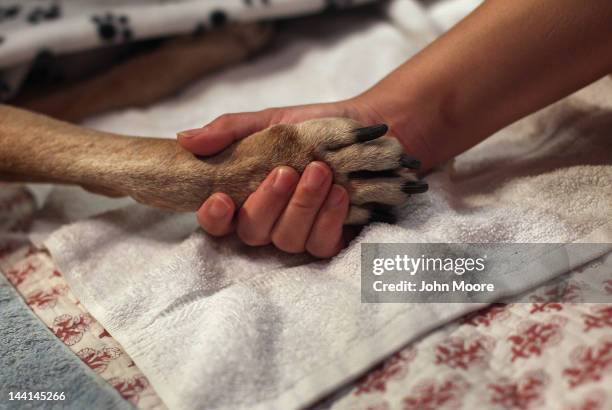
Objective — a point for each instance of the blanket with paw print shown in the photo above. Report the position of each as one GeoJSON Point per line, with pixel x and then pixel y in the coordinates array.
{"type": "Point", "coordinates": [35, 31]}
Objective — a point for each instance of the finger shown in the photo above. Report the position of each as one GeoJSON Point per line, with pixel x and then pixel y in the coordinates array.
{"type": "Point", "coordinates": [223, 131]}
{"type": "Point", "coordinates": [293, 227]}
{"type": "Point", "coordinates": [216, 214]}
{"type": "Point", "coordinates": [262, 208]}
{"type": "Point", "coordinates": [325, 238]}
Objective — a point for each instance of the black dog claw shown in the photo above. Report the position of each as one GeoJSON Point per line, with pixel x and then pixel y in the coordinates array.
{"type": "Point", "coordinates": [415, 187]}
{"type": "Point", "coordinates": [409, 162]}
{"type": "Point", "coordinates": [370, 133]}
{"type": "Point", "coordinates": [382, 213]}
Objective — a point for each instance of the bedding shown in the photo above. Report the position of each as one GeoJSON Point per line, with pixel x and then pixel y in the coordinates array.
{"type": "Point", "coordinates": [37, 302]}
{"type": "Point", "coordinates": [35, 31]}
{"type": "Point", "coordinates": [281, 331]}
{"type": "Point", "coordinates": [34, 361]}
{"type": "Point", "coordinates": [499, 356]}
{"type": "Point", "coordinates": [548, 348]}
{"type": "Point", "coordinates": [45, 291]}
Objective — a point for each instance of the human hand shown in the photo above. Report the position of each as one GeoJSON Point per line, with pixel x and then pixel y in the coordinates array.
{"type": "Point", "coordinates": [294, 213]}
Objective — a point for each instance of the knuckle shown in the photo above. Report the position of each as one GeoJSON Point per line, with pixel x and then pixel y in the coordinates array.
{"type": "Point", "coordinates": [209, 226]}
{"type": "Point", "coordinates": [286, 244]}
{"type": "Point", "coordinates": [303, 204]}
{"type": "Point", "coordinates": [252, 238]}
{"type": "Point", "coordinates": [317, 250]}
{"type": "Point", "coordinates": [322, 253]}
{"type": "Point", "coordinates": [290, 249]}
{"type": "Point", "coordinates": [271, 111]}
{"type": "Point", "coordinates": [216, 231]}
{"type": "Point", "coordinates": [274, 114]}
{"type": "Point", "coordinates": [224, 119]}
{"type": "Point", "coordinates": [322, 248]}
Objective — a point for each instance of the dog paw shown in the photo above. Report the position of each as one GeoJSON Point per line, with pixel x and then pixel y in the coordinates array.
{"type": "Point", "coordinates": [373, 168]}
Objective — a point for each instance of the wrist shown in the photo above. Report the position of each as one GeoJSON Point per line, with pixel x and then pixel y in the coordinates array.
{"type": "Point", "coordinates": [413, 121]}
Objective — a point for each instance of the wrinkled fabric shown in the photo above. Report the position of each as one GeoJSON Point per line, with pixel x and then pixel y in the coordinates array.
{"type": "Point", "coordinates": [217, 324]}
{"type": "Point", "coordinates": [34, 30]}
{"type": "Point", "coordinates": [33, 360]}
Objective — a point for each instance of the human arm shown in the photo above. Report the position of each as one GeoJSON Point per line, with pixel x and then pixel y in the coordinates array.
{"type": "Point", "coordinates": [505, 60]}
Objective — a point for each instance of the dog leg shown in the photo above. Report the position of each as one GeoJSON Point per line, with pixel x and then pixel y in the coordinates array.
{"type": "Point", "coordinates": [149, 77]}
{"type": "Point", "coordinates": [158, 172]}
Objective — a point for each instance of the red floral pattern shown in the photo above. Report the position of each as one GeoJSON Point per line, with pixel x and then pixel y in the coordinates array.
{"type": "Point", "coordinates": [458, 352]}
{"type": "Point", "coordinates": [393, 368]}
{"type": "Point", "coordinates": [547, 335]}
{"type": "Point", "coordinates": [69, 328]}
{"type": "Point", "coordinates": [486, 316]}
{"type": "Point", "coordinates": [600, 317]}
{"type": "Point", "coordinates": [45, 299]}
{"type": "Point", "coordinates": [533, 337]}
{"type": "Point", "coordinates": [589, 363]}
{"type": "Point", "coordinates": [567, 292]}
{"type": "Point", "coordinates": [554, 337]}
{"type": "Point", "coordinates": [378, 406]}
{"type": "Point", "coordinates": [594, 400]}
{"type": "Point", "coordinates": [98, 359]}
{"type": "Point", "coordinates": [434, 395]}
{"type": "Point", "coordinates": [523, 393]}
{"type": "Point", "coordinates": [546, 307]}
{"type": "Point", "coordinates": [19, 274]}
{"type": "Point", "coordinates": [130, 388]}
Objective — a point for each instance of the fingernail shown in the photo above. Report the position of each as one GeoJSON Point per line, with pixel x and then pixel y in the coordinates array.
{"type": "Point", "coordinates": [283, 181]}
{"type": "Point", "coordinates": [189, 133]}
{"type": "Point", "coordinates": [314, 176]}
{"type": "Point", "coordinates": [336, 196]}
{"type": "Point", "coordinates": [218, 209]}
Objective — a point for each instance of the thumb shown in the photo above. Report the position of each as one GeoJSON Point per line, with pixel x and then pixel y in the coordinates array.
{"type": "Point", "coordinates": [223, 131]}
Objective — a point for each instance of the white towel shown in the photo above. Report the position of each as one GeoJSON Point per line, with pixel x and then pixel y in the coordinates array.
{"type": "Point", "coordinates": [217, 325]}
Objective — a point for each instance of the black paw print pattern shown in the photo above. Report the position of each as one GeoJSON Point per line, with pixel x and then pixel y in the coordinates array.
{"type": "Point", "coordinates": [337, 4]}
{"type": "Point", "coordinates": [216, 18]}
{"type": "Point", "coordinates": [112, 28]}
{"type": "Point", "coordinates": [42, 13]}
{"type": "Point", "coordinates": [252, 2]}
{"type": "Point", "coordinates": [9, 12]}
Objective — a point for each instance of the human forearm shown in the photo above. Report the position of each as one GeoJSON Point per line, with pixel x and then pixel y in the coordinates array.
{"type": "Point", "coordinates": [504, 61]}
